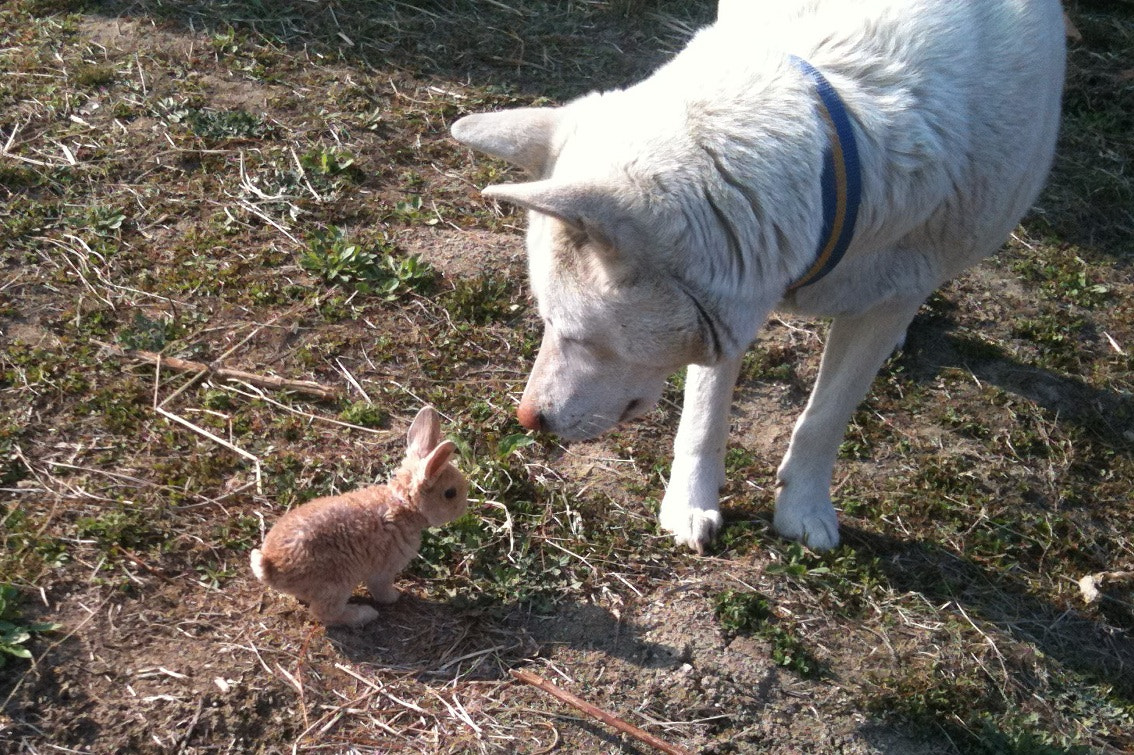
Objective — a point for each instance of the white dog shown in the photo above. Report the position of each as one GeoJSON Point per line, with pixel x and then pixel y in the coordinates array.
{"type": "Point", "coordinates": [824, 157]}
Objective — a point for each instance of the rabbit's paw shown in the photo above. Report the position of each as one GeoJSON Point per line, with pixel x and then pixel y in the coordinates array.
{"type": "Point", "coordinates": [383, 591]}
{"type": "Point", "coordinates": [354, 615]}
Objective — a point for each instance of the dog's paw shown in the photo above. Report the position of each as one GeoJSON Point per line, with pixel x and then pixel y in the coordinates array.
{"type": "Point", "coordinates": [690, 508]}
{"type": "Point", "coordinates": [695, 530]}
{"type": "Point", "coordinates": [812, 522]}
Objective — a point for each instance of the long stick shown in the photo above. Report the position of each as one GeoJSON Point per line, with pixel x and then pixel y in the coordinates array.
{"type": "Point", "coordinates": [225, 373]}
{"type": "Point", "coordinates": [626, 728]}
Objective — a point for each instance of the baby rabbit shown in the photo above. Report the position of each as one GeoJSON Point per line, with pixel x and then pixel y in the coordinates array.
{"type": "Point", "coordinates": [321, 550]}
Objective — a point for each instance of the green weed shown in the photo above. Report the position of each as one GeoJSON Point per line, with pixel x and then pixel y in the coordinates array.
{"type": "Point", "coordinates": [126, 527]}
{"type": "Point", "coordinates": [773, 364]}
{"type": "Point", "coordinates": [336, 259]}
{"type": "Point", "coordinates": [146, 334]}
{"type": "Point", "coordinates": [15, 634]}
{"type": "Point", "coordinates": [752, 614]}
{"type": "Point", "coordinates": [322, 161]}
{"type": "Point", "coordinates": [741, 612]}
{"type": "Point", "coordinates": [412, 212]}
{"type": "Point", "coordinates": [222, 125]}
{"type": "Point", "coordinates": [482, 299]}
{"type": "Point", "coordinates": [843, 578]}
{"type": "Point", "coordinates": [105, 221]}
{"type": "Point", "coordinates": [364, 414]}
{"type": "Point", "coordinates": [1065, 277]}
{"type": "Point", "coordinates": [95, 75]}
{"type": "Point", "coordinates": [1057, 336]}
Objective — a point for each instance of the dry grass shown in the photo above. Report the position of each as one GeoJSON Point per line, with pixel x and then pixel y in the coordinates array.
{"type": "Point", "coordinates": [269, 190]}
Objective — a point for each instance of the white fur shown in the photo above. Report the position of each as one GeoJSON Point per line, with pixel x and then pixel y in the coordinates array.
{"type": "Point", "coordinates": [669, 218]}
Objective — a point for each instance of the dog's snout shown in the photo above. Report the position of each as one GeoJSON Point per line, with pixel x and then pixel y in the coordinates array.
{"type": "Point", "coordinates": [530, 416]}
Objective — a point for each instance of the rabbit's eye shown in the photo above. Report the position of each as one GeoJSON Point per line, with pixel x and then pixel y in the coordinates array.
{"type": "Point", "coordinates": [450, 493]}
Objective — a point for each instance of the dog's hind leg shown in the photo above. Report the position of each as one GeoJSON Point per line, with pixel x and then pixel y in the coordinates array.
{"type": "Point", "coordinates": [691, 507]}
{"type": "Point", "coordinates": [856, 347]}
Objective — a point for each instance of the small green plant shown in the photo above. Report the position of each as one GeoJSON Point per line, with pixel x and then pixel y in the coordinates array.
{"type": "Point", "coordinates": [510, 444]}
{"type": "Point", "coordinates": [1056, 336]}
{"type": "Point", "coordinates": [364, 414]}
{"type": "Point", "coordinates": [326, 162]}
{"type": "Point", "coordinates": [224, 41]}
{"type": "Point", "coordinates": [128, 529]}
{"type": "Point", "coordinates": [145, 334]}
{"type": "Point", "coordinates": [221, 125]}
{"type": "Point", "coordinates": [775, 364]}
{"type": "Point", "coordinates": [406, 274]}
{"type": "Point", "coordinates": [105, 221]}
{"type": "Point", "coordinates": [740, 462]}
{"type": "Point", "coordinates": [482, 300]}
{"type": "Point", "coordinates": [751, 613]}
{"type": "Point", "coordinates": [14, 634]}
{"type": "Point", "coordinates": [208, 124]}
{"type": "Point", "coordinates": [240, 532]}
{"type": "Point", "coordinates": [1065, 276]}
{"type": "Point", "coordinates": [740, 537]}
{"type": "Point", "coordinates": [844, 577]}
{"type": "Point", "coordinates": [411, 211]}
{"type": "Point", "coordinates": [338, 260]}
{"type": "Point", "coordinates": [213, 575]}
{"type": "Point", "coordinates": [95, 75]}
{"type": "Point", "coordinates": [741, 612]}
{"type": "Point", "coordinates": [217, 399]}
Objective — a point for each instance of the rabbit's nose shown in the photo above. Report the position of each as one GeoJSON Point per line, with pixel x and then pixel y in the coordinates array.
{"type": "Point", "coordinates": [529, 416]}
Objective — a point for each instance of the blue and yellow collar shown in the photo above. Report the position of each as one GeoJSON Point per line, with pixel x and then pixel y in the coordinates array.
{"type": "Point", "coordinates": [841, 182]}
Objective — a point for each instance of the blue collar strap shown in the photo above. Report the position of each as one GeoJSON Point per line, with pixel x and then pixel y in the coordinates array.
{"type": "Point", "coordinates": [841, 182]}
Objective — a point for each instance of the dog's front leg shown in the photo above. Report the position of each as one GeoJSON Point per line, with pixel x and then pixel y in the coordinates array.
{"type": "Point", "coordinates": [856, 347]}
{"type": "Point", "coordinates": [691, 507]}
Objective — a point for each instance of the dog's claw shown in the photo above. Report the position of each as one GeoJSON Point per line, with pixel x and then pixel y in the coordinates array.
{"type": "Point", "coordinates": [689, 510]}
{"type": "Point", "coordinates": [696, 529]}
{"type": "Point", "coordinates": [817, 527]}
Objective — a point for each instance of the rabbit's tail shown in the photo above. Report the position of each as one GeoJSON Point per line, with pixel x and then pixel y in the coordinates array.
{"type": "Point", "coordinates": [261, 566]}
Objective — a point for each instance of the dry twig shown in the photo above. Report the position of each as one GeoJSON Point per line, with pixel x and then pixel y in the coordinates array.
{"type": "Point", "coordinates": [224, 373]}
{"type": "Point", "coordinates": [609, 719]}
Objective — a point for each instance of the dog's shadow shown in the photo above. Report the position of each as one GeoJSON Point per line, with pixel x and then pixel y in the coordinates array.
{"type": "Point", "coordinates": [1078, 639]}
{"type": "Point", "coordinates": [1087, 640]}
{"type": "Point", "coordinates": [933, 344]}
{"type": "Point", "coordinates": [446, 639]}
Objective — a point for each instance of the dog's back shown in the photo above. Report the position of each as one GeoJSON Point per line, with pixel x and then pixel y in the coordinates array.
{"type": "Point", "coordinates": [956, 103]}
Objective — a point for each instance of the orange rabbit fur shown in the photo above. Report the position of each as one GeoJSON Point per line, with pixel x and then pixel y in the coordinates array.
{"type": "Point", "coordinates": [320, 551]}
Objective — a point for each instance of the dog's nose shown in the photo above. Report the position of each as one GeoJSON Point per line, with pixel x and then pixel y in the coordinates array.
{"type": "Point", "coordinates": [529, 416]}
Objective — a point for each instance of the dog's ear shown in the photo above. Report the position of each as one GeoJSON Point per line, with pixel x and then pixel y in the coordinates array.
{"type": "Point", "coordinates": [521, 136]}
{"type": "Point", "coordinates": [599, 211]}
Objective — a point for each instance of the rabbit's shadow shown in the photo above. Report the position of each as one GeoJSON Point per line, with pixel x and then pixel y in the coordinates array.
{"type": "Point", "coordinates": [442, 639]}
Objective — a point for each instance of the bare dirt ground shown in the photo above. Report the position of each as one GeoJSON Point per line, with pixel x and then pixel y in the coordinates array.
{"type": "Point", "coordinates": [165, 172]}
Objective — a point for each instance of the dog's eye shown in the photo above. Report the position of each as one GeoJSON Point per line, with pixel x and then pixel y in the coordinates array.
{"type": "Point", "coordinates": [450, 492]}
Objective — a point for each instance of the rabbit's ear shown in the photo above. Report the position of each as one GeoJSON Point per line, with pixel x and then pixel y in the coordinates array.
{"type": "Point", "coordinates": [425, 433]}
{"type": "Point", "coordinates": [438, 459]}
